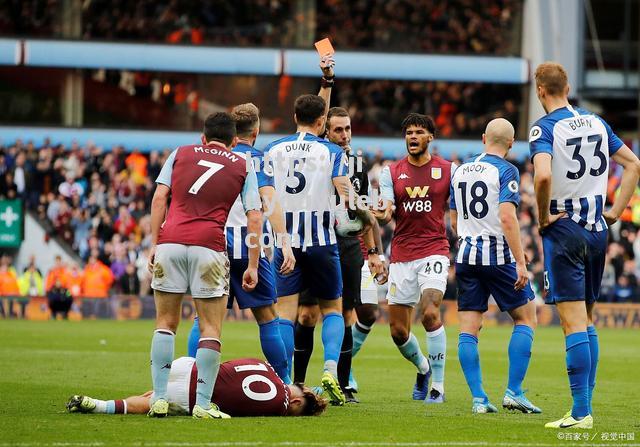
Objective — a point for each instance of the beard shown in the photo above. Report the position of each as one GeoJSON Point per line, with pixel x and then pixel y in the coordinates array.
{"type": "Point", "coordinates": [417, 152]}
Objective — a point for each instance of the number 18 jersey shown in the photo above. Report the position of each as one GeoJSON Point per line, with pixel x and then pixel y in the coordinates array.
{"type": "Point", "coordinates": [580, 143]}
{"type": "Point", "coordinates": [478, 187]}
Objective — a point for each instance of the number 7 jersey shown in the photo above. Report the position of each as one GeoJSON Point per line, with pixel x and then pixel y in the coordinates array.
{"type": "Point", "coordinates": [580, 143]}
{"type": "Point", "coordinates": [205, 181]}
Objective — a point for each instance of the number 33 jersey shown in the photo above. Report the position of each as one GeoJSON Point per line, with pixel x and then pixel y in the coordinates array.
{"type": "Point", "coordinates": [580, 143]}
{"type": "Point", "coordinates": [478, 187]}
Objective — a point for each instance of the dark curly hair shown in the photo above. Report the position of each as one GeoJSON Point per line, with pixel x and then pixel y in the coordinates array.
{"type": "Point", "coordinates": [417, 119]}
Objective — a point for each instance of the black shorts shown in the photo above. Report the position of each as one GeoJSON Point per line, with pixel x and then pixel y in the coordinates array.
{"type": "Point", "coordinates": [351, 262]}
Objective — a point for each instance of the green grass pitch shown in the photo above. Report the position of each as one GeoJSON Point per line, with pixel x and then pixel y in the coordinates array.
{"type": "Point", "coordinates": [43, 363]}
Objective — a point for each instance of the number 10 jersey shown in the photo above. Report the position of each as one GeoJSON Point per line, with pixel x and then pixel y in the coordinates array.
{"type": "Point", "coordinates": [580, 143]}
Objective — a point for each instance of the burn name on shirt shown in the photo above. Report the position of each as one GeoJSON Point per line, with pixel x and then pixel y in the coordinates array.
{"type": "Point", "coordinates": [577, 123]}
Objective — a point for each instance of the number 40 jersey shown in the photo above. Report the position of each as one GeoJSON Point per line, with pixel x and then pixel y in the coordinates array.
{"type": "Point", "coordinates": [478, 187]}
{"type": "Point", "coordinates": [580, 143]}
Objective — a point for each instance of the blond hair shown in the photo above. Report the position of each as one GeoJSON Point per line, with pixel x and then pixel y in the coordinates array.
{"type": "Point", "coordinates": [553, 77]}
{"type": "Point", "coordinates": [247, 118]}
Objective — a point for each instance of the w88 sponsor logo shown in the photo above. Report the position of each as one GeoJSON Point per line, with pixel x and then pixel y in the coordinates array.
{"type": "Point", "coordinates": [418, 199]}
{"type": "Point", "coordinates": [420, 206]}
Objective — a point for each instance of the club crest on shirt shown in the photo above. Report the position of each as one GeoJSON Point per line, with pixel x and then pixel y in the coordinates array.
{"type": "Point", "coordinates": [436, 173]}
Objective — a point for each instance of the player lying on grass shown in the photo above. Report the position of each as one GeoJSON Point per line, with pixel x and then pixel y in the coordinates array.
{"type": "Point", "coordinates": [244, 387]}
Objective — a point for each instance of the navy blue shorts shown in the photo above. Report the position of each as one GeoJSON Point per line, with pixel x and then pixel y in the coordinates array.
{"type": "Point", "coordinates": [317, 269]}
{"type": "Point", "coordinates": [573, 262]}
{"type": "Point", "coordinates": [477, 282]}
{"type": "Point", "coordinates": [265, 292]}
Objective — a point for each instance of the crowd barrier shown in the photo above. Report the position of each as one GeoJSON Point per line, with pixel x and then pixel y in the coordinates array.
{"type": "Point", "coordinates": [131, 307]}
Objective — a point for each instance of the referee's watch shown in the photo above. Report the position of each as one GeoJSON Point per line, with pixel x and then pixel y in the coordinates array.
{"type": "Point", "coordinates": [372, 251]}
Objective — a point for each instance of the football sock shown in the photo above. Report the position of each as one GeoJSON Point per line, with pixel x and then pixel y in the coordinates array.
{"type": "Point", "coordinates": [273, 348]}
{"type": "Point", "coordinates": [437, 346]}
{"type": "Point", "coordinates": [519, 355]}
{"type": "Point", "coordinates": [578, 368]}
{"type": "Point", "coordinates": [360, 333]}
{"type": "Point", "coordinates": [595, 354]}
{"type": "Point", "coordinates": [470, 361]}
{"type": "Point", "coordinates": [303, 350]}
{"type": "Point", "coordinates": [116, 407]}
{"type": "Point", "coordinates": [332, 336]}
{"type": "Point", "coordinates": [208, 364]}
{"type": "Point", "coordinates": [344, 364]}
{"type": "Point", "coordinates": [286, 333]}
{"type": "Point", "coordinates": [162, 346]}
{"type": "Point", "coordinates": [110, 406]}
{"type": "Point", "coordinates": [411, 351]}
{"type": "Point", "coordinates": [194, 337]}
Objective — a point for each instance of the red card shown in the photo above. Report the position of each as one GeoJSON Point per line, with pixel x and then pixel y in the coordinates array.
{"type": "Point", "coordinates": [324, 46]}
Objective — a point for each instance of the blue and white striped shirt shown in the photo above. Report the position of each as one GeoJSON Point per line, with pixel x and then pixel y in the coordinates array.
{"type": "Point", "coordinates": [581, 144]}
{"type": "Point", "coordinates": [478, 187]}
{"type": "Point", "coordinates": [304, 166]}
{"type": "Point", "coordinates": [236, 226]}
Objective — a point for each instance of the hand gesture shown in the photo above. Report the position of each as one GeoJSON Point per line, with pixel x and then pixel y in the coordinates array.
{"type": "Point", "coordinates": [326, 65]}
{"type": "Point", "coordinates": [250, 279]}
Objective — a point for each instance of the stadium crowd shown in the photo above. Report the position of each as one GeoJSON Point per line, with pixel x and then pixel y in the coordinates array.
{"type": "Point", "coordinates": [98, 202]}
{"type": "Point", "coordinates": [444, 26]}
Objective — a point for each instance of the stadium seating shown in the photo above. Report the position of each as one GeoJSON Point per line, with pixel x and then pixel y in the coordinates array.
{"type": "Point", "coordinates": [397, 25]}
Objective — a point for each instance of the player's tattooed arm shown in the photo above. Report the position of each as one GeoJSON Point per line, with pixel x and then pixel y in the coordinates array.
{"type": "Point", "coordinates": [631, 165]}
{"type": "Point", "coordinates": [158, 215]}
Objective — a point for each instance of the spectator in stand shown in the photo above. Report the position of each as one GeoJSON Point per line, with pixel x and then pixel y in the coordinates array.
{"type": "Point", "coordinates": [70, 187]}
{"type": "Point", "coordinates": [8, 278]}
{"type": "Point", "coordinates": [125, 224]}
{"type": "Point", "coordinates": [8, 285]}
{"type": "Point", "coordinates": [60, 301]}
{"type": "Point", "coordinates": [58, 273]}
{"type": "Point", "coordinates": [96, 278]}
{"type": "Point", "coordinates": [625, 289]}
{"type": "Point", "coordinates": [30, 282]}
{"type": "Point", "coordinates": [129, 282]}
{"type": "Point", "coordinates": [74, 281]}
{"type": "Point", "coordinates": [81, 226]}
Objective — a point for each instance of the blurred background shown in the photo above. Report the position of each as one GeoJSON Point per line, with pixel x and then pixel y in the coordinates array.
{"type": "Point", "coordinates": [95, 94]}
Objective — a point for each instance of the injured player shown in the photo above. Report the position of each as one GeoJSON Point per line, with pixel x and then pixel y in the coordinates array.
{"type": "Point", "coordinates": [244, 387]}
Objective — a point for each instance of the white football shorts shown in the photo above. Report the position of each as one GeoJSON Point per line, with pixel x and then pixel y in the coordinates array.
{"type": "Point", "coordinates": [178, 387]}
{"type": "Point", "coordinates": [368, 287]}
{"type": "Point", "coordinates": [180, 268]}
{"type": "Point", "coordinates": [407, 280]}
